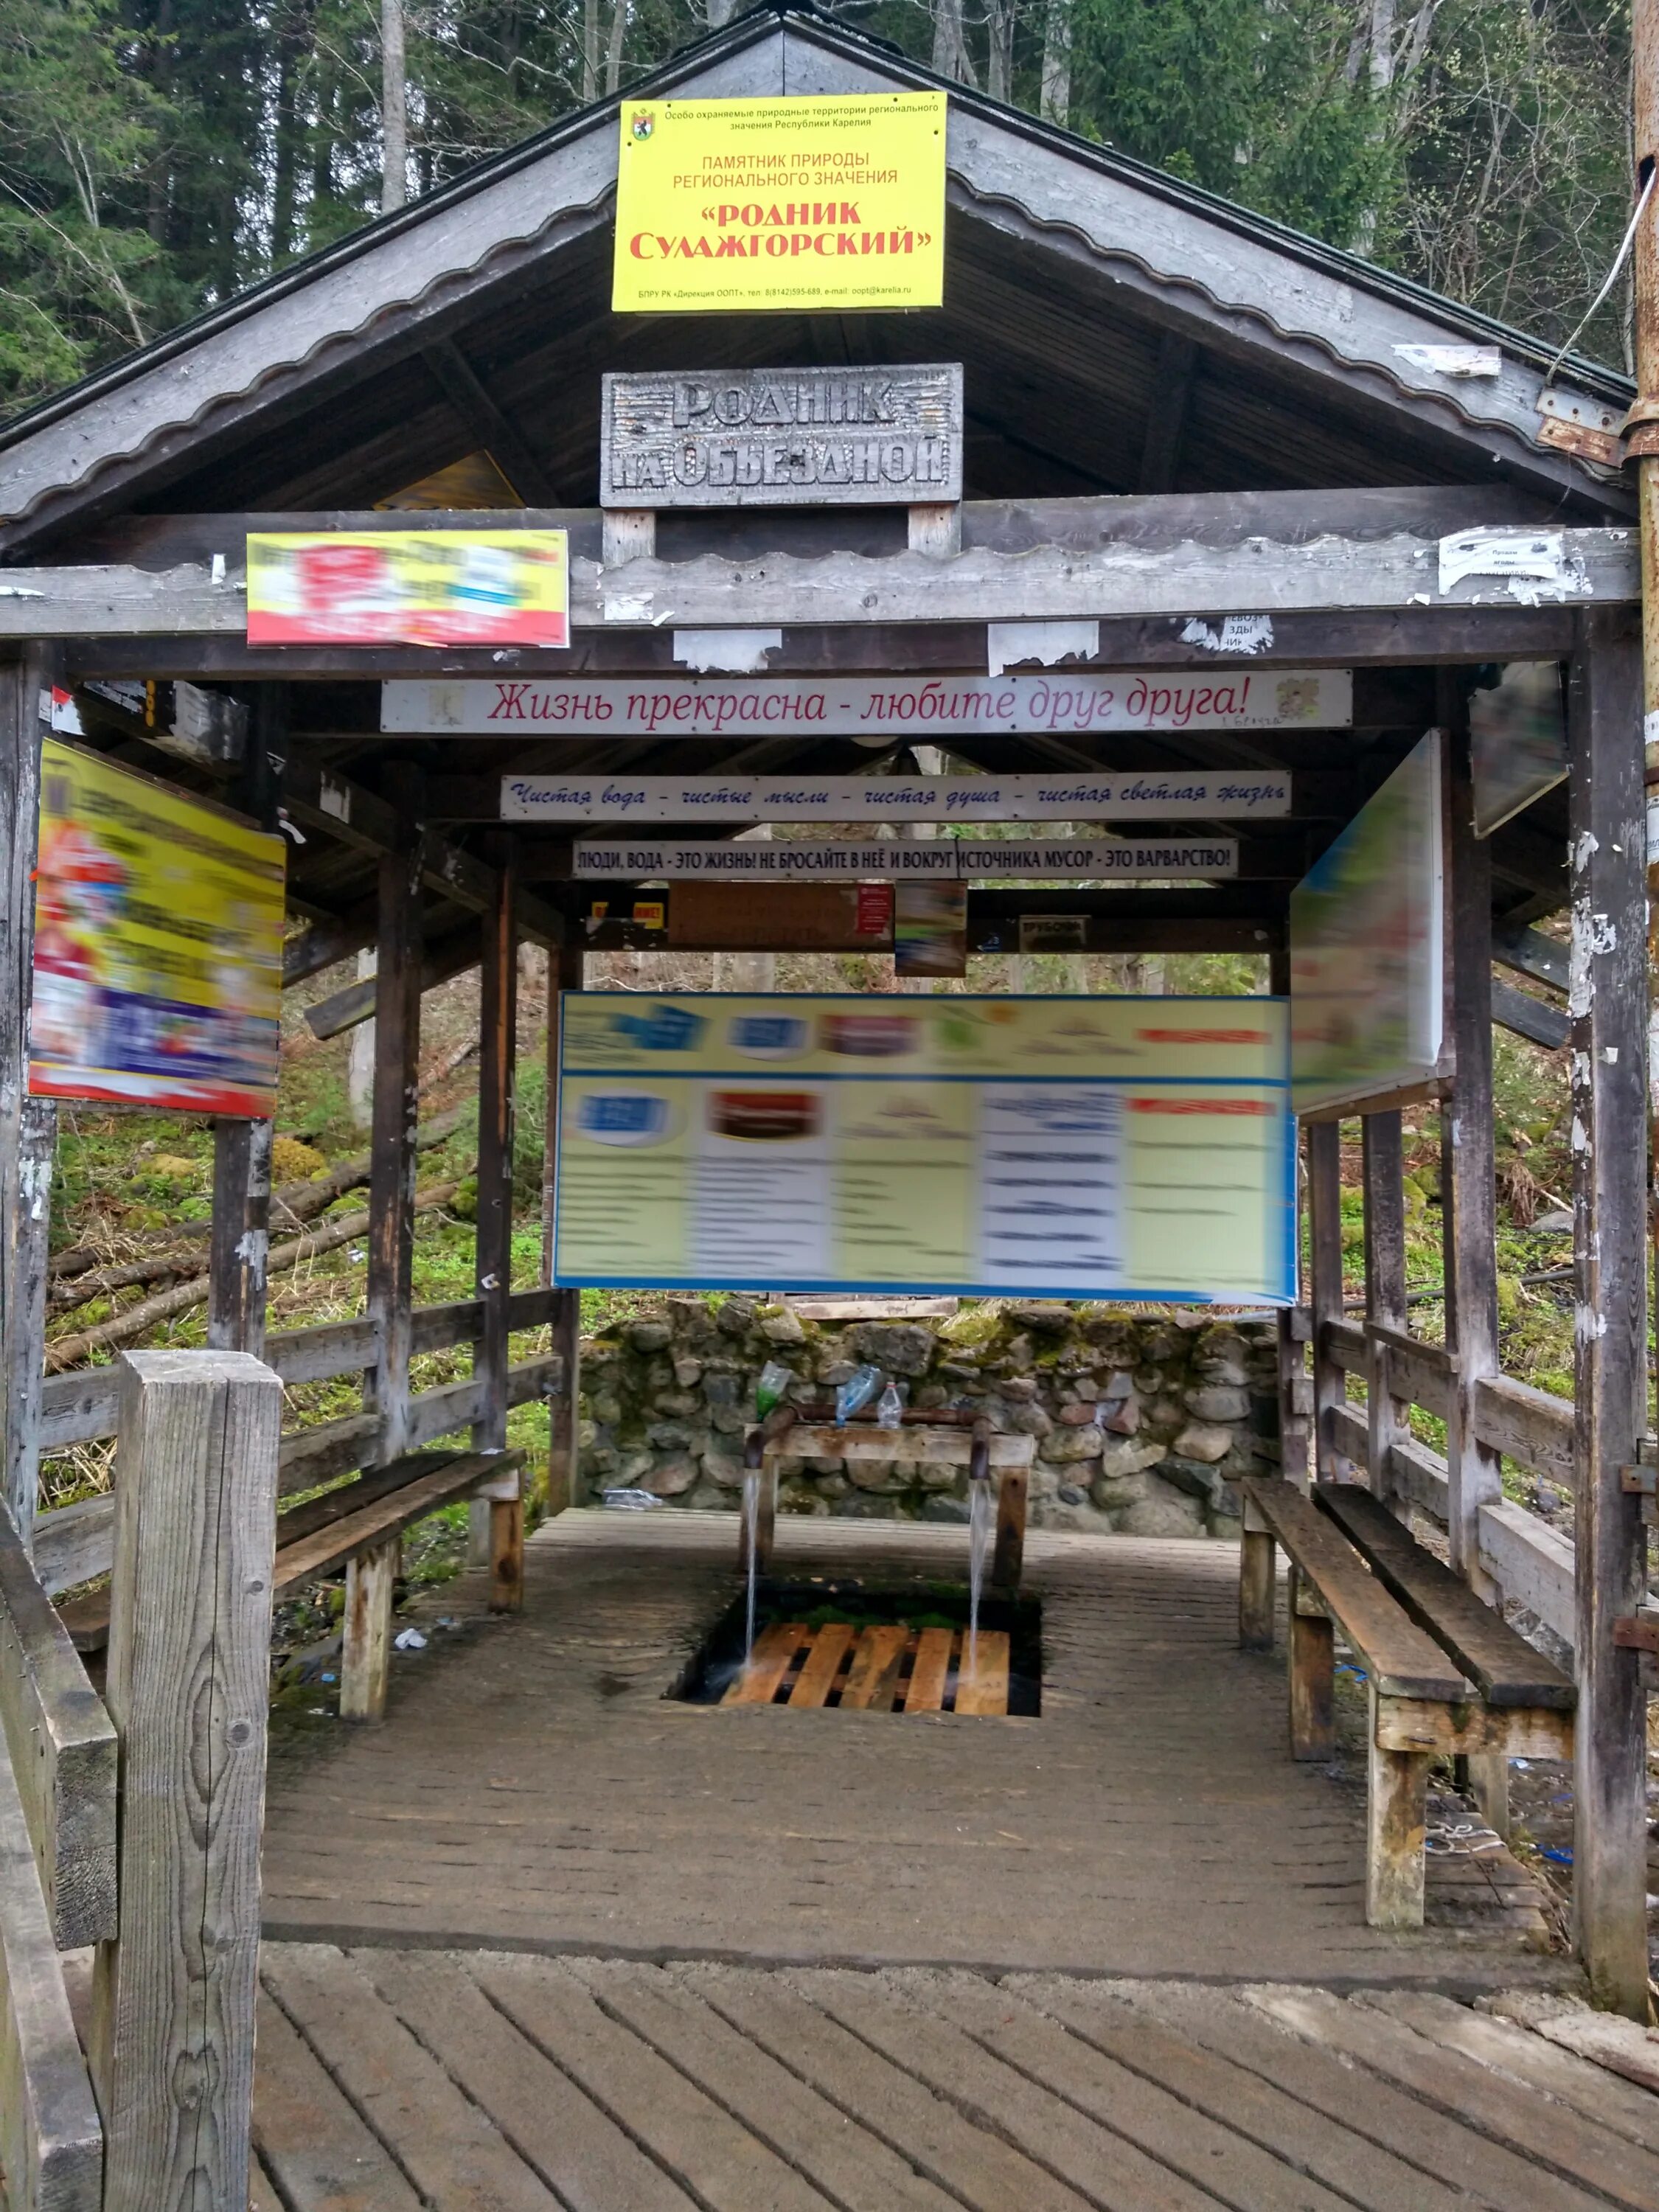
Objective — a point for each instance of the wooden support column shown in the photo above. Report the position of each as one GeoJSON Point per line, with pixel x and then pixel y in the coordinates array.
{"type": "Point", "coordinates": [1312, 1674]}
{"type": "Point", "coordinates": [366, 1633]}
{"type": "Point", "coordinates": [391, 1144]}
{"type": "Point", "coordinates": [29, 1126]}
{"type": "Point", "coordinates": [498, 1509]}
{"type": "Point", "coordinates": [1396, 1828]}
{"type": "Point", "coordinates": [173, 1995]}
{"type": "Point", "coordinates": [565, 972]}
{"type": "Point", "coordinates": [237, 1257]}
{"type": "Point", "coordinates": [1385, 1286]}
{"type": "Point", "coordinates": [1468, 1187]}
{"type": "Point", "coordinates": [1295, 1389]}
{"type": "Point", "coordinates": [240, 1246]}
{"type": "Point", "coordinates": [1468, 1190]}
{"type": "Point", "coordinates": [1609, 1004]}
{"type": "Point", "coordinates": [1325, 1287]}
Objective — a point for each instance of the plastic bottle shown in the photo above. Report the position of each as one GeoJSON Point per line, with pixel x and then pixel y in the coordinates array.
{"type": "Point", "coordinates": [890, 1413]}
{"type": "Point", "coordinates": [860, 1388]}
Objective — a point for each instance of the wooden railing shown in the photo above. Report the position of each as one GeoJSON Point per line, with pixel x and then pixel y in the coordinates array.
{"type": "Point", "coordinates": [1529, 1560]}
{"type": "Point", "coordinates": [73, 1545]}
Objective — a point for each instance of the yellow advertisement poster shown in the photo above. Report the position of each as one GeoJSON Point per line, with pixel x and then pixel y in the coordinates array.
{"type": "Point", "coordinates": [1066, 1147]}
{"type": "Point", "coordinates": [158, 945]}
{"type": "Point", "coordinates": [408, 587]}
{"type": "Point", "coordinates": [815, 205]}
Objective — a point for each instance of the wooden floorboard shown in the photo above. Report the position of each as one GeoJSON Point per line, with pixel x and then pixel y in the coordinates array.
{"type": "Point", "coordinates": [485, 2081]}
{"type": "Point", "coordinates": [1149, 1823]}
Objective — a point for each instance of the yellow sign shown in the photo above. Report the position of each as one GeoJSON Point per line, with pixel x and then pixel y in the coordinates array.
{"type": "Point", "coordinates": [158, 945]}
{"type": "Point", "coordinates": [408, 587]}
{"type": "Point", "coordinates": [818, 205]}
{"type": "Point", "coordinates": [1067, 1147]}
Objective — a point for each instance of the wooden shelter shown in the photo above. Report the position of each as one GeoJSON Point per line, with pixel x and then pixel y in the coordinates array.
{"type": "Point", "coordinates": [1176, 413]}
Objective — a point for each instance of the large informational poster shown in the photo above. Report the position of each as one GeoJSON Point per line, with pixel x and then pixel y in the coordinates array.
{"type": "Point", "coordinates": [158, 945]}
{"type": "Point", "coordinates": [1367, 985]}
{"type": "Point", "coordinates": [807, 205]}
{"type": "Point", "coordinates": [1063, 1147]}
{"type": "Point", "coordinates": [408, 587]}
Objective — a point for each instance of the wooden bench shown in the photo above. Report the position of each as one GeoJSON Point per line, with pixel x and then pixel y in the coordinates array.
{"type": "Point", "coordinates": [1444, 1673]}
{"type": "Point", "coordinates": [358, 1526]}
{"type": "Point", "coordinates": [786, 1435]}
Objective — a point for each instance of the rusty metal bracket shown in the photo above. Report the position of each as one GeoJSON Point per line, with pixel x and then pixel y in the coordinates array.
{"type": "Point", "coordinates": [1639, 1481]}
{"type": "Point", "coordinates": [1574, 423]}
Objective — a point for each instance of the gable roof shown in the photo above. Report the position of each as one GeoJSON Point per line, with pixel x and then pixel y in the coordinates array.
{"type": "Point", "coordinates": [1072, 269]}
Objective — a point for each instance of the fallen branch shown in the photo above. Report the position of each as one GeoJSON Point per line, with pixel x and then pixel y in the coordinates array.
{"type": "Point", "coordinates": [166, 1305]}
{"type": "Point", "coordinates": [294, 1202]}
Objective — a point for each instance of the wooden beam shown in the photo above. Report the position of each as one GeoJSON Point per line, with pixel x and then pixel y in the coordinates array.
{"type": "Point", "coordinates": [1468, 1161]}
{"type": "Point", "coordinates": [1530, 1018]}
{"type": "Point", "coordinates": [493, 1258]}
{"type": "Point", "coordinates": [1609, 1004]}
{"type": "Point", "coordinates": [189, 1670]}
{"type": "Point", "coordinates": [239, 1247]}
{"type": "Point", "coordinates": [1166, 423]}
{"type": "Point", "coordinates": [1325, 1286]}
{"type": "Point", "coordinates": [1530, 953]}
{"type": "Point", "coordinates": [392, 1147]}
{"type": "Point", "coordinates": [1392, 640]}
{"type": "Point", "coordinates": [440, 962]}
{"type": "Point", "coordinates": [63, 1753]}
{"type": "Point", "coordinates": [51, 2146]}
{"type": "Point", "coordinates": [486, 420]}
{"type": "Point", "coordinates": [29, 1126]}
{"type": "Point", "coordinates": [1385, 1286]}
{"type": "Point", "coordinates": [566, 972]}
{"type": "Point", "coordinates": [1340, 575]}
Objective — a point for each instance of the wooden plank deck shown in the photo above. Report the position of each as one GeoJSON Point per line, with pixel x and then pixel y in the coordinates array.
{"type": "Point", "coordinates": [864, 1670]}
{"type": "Point", "coordinates": [491, 2081]}
{"type": "Point", "coordinates": [534, 1789]}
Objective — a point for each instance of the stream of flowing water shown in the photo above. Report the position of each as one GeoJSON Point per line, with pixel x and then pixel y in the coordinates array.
{"type": "Point", "coordinates": [752, 1482]}
{"type": "Point", "coordinates": [981, 1511]}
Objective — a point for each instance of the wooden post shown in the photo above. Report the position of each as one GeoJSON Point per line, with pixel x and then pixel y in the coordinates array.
{"type": "Point", "coordinates": [29, 1126]}
{"type": "Point", "coordinates": [240, 1242]}
{"type": "Point", "coordinates": [1255, 1582]}
{"type": "Point", "coordinates": [1008, 1558]}
{"type": "Point", "coordinates": [1469, 1190]}
{"type": "Point", "coordinates": [565, 972]}
{"type": "Point", "coordinates": [1294, 1389]}
{"type": "Point", "coordinates": [173, 1995]}
{"type": "Point", "coordinates": [1312, 1674]}
{"type": "Point", "coordinates": [392, 1148]}
{"type": "Point", "coordinates": [365, 1636]}
{"type": "Point", "coordinates": [498, 1508]}
{"type": "Point", "coordinates": [1396, 1829]}
{"type": "Point", "coordinates": [1325, 1284]}
{"type": "Point", "coordinates": [1385, 1286]}
{"type": "Point", "coordinates": [1608, 1002]}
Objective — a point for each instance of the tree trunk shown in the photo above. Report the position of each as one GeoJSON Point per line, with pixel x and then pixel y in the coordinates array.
{"type": "Point", "coordinates": [1054, 98]}
{"type": "Point", "coordinates": [394, 108]}
{"type": "Point", "coordinates": [590, 51]}
{"type": "Point", "coordinates": [613, 53]}
{"type": "Point", "coordinates": [951, 55]}
{"type": "Point", "coordinates": [999, 49]}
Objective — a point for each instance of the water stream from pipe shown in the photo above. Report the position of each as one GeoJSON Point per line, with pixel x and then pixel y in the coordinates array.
{"type": "Point", "coordinates": [752, 1482]}
{"type": "Point", "coordinates": [980, 1505]}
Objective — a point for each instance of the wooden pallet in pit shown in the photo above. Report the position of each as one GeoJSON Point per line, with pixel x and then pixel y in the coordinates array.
{"type": "Point", "coordinates": [885, 1669]}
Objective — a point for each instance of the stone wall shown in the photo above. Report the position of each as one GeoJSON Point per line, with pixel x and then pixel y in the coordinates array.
{"type": "Point", "coordinates": [1144, 1423]}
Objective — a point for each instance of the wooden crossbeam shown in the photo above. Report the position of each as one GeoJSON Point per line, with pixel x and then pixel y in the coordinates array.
{"type": "Point", "coordinates": [1340, 574]}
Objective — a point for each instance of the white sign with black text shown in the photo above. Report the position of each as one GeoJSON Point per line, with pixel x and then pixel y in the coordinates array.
{"type": "Point", "coordinates": [1153, 795]}
{"type": "Point", "coordinates": [1074, 860]}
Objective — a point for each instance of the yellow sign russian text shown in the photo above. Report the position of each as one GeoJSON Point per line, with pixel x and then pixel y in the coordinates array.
{"type": "Point", "coordinates": [815, 205]}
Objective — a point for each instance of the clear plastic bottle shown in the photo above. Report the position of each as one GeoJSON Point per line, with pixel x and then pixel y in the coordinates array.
{"type": "Point", "coordinates": [890, 1413]}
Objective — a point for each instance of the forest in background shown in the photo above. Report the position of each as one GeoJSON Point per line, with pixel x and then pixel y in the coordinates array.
{"type": "Point", "coordinates": [157, 156]}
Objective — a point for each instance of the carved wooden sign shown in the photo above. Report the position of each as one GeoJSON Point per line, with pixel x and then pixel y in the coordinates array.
{"type": "Point", "coordinates": [783, 437]}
